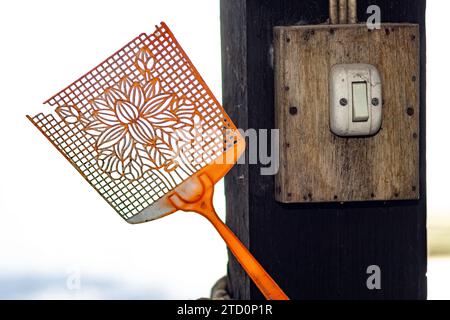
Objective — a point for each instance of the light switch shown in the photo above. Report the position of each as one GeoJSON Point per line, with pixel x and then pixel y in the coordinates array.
{"type": "Point", "coordinates": [355, 100]}
{"type": "Point", "coordinates": [360, 107]}
{"type": "Point", "coordinates": [329, 113]}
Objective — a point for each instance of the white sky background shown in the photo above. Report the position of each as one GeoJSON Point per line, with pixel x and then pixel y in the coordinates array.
{"type": "Point", "coordinates": [52, 223]}
{"type": "Point", "coordinates": [438, 139]}
{"type": "Point", "coordinates": [438, 107]}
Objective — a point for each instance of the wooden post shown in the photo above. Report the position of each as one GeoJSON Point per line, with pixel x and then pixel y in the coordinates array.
{"type": "Point", "coordinates": [314, 251]}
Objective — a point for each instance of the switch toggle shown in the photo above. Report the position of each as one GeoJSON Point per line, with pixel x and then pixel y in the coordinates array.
{"type": "Point", "coordinates": [354, 89]}
{"type": "Point", "coordinates": [360, 104]}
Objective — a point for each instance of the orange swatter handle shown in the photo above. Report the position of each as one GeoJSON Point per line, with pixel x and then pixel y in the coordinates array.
{"type": "Point", "coordinates": [256, 272]}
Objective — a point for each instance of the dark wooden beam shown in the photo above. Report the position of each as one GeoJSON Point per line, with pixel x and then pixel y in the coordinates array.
{"type": "Point", "coordinates": [314, 251]}
{"type": "Point", "coordinates": [234, 66]}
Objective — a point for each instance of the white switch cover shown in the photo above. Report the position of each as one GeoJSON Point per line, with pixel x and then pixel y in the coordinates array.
{"type": "Point", "coordinates": [355, 100]}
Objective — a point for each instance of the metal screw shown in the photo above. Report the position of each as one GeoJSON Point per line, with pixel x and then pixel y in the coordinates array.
{"type": "Point", "coordinates": [375, 101]}
{"type": "Point", "coordinates": [293, 110]}
{"type": "Point", "coordinates": [343, 102]}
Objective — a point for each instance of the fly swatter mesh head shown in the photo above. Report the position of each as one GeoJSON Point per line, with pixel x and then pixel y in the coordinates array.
{"type": "Point", "coordinates": [139, 124]}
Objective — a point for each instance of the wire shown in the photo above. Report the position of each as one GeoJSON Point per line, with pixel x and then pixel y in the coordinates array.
{"type": "Point", "coordinates": [342, 11]}
{"type": "Point", "coordinates": [333, 12]}
{"type": "Point", "coordinates": [352, 11]}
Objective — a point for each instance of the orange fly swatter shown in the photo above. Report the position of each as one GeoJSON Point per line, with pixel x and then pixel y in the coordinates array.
{"type": "Point", "coordinates": [145, 131]}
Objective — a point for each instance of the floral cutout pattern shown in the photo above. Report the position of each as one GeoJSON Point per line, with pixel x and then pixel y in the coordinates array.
{"type": "Point", "coordinates": [136, 125]}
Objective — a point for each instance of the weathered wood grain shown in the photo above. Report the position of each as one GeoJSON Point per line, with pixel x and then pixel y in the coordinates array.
{"type": "Point", "coordinates": [315, 164]}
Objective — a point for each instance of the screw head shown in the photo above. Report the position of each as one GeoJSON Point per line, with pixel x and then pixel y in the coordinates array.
{"type": "Point", "coordinates": [375, 101]}
{"type": "Point", "coordinates": [343, 102]}
{"type": "Point", "coordinates": [293, 110]}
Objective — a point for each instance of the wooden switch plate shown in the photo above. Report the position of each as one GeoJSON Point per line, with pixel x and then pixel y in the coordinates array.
{"type": "Point", "coordinates": [316, 165]}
